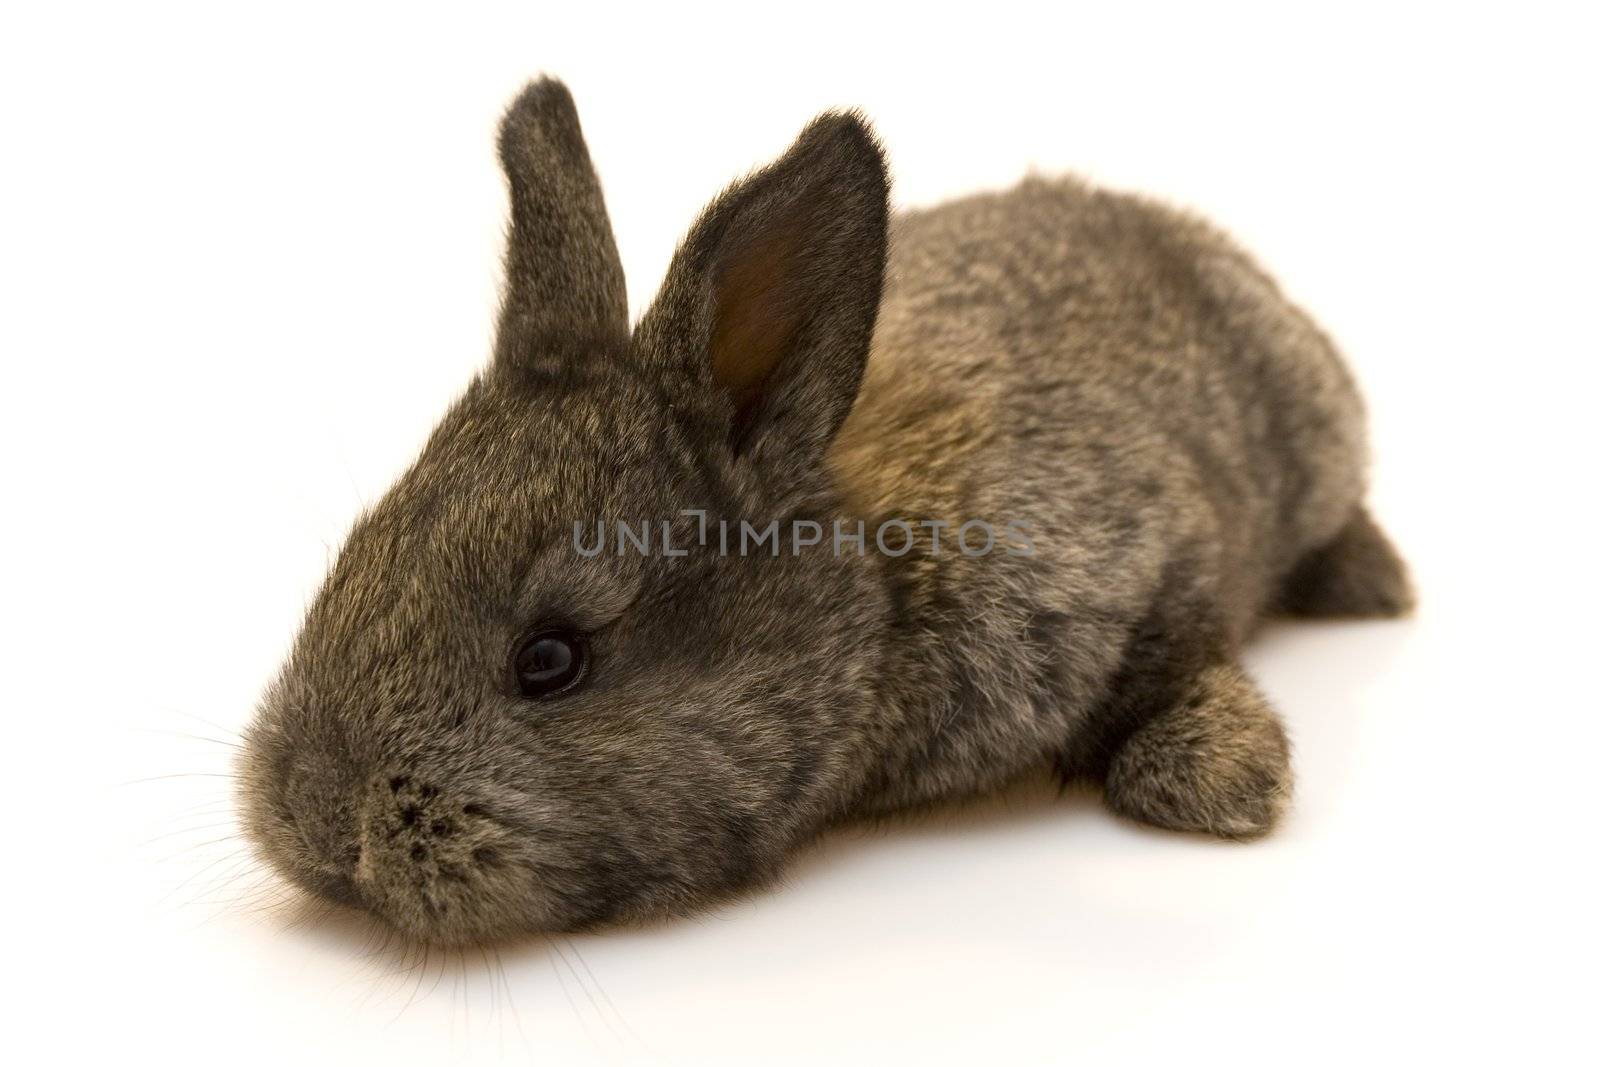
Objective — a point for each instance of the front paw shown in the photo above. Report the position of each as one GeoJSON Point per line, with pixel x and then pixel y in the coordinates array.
{"type": "Point", "coordinates": [1216, 762]}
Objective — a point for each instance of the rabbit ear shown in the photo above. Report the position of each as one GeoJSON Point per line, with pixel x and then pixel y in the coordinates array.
{"type": "Point", "coordinates": [564, 285]}
{"type": "Point", "coordinates": [771, 299]}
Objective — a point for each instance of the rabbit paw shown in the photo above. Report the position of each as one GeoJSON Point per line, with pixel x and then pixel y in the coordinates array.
{"type": "Point", "coordinates": [1358, 575]}
{"type": "Point", "coordinates": [1217, 761]}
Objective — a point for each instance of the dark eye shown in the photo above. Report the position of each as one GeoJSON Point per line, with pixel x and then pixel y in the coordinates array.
{"type": "Point", "coordinates": [549, 663]}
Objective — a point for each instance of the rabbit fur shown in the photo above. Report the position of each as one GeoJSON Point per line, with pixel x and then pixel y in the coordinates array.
{"type": "Point", "coordinates": [1178, 449]}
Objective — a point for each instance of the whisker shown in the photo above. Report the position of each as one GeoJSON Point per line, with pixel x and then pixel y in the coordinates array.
{"type": "Point", "coordinates": [466, 996]}
{"type": "Point", "coordinates": [186, 736]}
{"type": "Point", "coordinates": [256, 903]}
{"type": "Point", "coordinates": [317, 912]}
{"type": "Point", "coordinates": [565, 992]}
{"type": "Point", "coordinates": [422, 976]}
{"type": "Point", "coordinates": [186, 830]}
{"type": "Point", "coordinates": [390, 971]}
{"type": "Point", "coordinates": [511, 1000]}
{"type": "Point", "coordinates": [190, 849]}
{"type": "Point", "coordinates": [251, 899]}
{"type": "Point", "coordinates": [234, 734]}
{"type": "Point", "coordinates": [573, 945]}
{"type": "Point", "coordinates": [439, 977]}
{"type": "Point", "coordinates": [417, 954]}
{"type": "Point", "coordinates": [242, 867]}
{"type": "Point", "coordinates": [167, 777]}
{"type": "Point", "coordinates": [235, 857]}
{"type": "Point", "coordinates": [494, 997]}
{"type": "Point", "coordinates": [461, 960]}
{"type": "Point", "coordinates": [555, 943]}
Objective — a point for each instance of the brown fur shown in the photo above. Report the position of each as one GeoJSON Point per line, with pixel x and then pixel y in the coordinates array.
{"type": "Point", "coordinates": [1357, 575]}
{"type": "Point", "coordinates": [1183, 448]}
{"type": "Point", "coordinates": [1216, 761]}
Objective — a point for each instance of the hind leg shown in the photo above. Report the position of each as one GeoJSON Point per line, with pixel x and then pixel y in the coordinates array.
{"type": "Point", "coordinates": [1215, 761]}
{"type": "Point", "coordinates": [1358, 575]}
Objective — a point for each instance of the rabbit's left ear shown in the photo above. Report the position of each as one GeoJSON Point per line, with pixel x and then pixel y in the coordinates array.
{"type": "Point", "coordinates": [564, 286]}
{"type": "Point", "coordinates": [770, 302]}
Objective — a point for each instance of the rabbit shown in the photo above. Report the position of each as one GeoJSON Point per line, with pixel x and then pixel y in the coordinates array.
{"type": "Point", "coordinates": [486, 728]}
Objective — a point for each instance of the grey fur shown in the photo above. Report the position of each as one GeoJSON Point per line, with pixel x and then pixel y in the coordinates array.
{"type": "Point", "coordinates": [1186, 446]}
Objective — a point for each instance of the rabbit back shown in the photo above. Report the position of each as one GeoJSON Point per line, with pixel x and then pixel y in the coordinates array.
{"type": "Point", "coordinates": [1125, 384]}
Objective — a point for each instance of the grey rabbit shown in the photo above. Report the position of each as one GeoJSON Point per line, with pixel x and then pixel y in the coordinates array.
{"type": "Point", "coordinates": [487, 728]}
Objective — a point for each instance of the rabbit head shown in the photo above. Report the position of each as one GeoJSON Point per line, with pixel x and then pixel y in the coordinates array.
{"type": "Point", "coordinates": [482, 730]}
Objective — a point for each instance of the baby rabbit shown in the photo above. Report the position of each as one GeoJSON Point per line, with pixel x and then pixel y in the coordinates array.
{"type": "Point", "coordinates": [487, 726]}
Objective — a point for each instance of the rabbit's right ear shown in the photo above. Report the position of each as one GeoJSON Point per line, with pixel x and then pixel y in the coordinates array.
{"type": "Point", "coordinates": [768, 308]}
{"type": "Point", "coordinates": [564, 288]}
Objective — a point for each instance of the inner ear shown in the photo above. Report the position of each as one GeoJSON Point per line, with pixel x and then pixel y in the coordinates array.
{"type": "Point", "coordinates": [767, 311]}
{"type": "Point", "coordinates": [757, 317]}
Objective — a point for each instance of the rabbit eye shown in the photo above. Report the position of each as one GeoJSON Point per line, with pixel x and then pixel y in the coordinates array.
{"type": "Point", "coordinates": [549, 663]}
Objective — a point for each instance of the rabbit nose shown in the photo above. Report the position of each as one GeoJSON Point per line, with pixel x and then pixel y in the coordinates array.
{"type": "Point", "coordinates": [321, 810]}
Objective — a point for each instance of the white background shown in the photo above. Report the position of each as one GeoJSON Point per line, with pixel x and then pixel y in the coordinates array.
{"type": "Point", "coordinates": [248, 258]}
